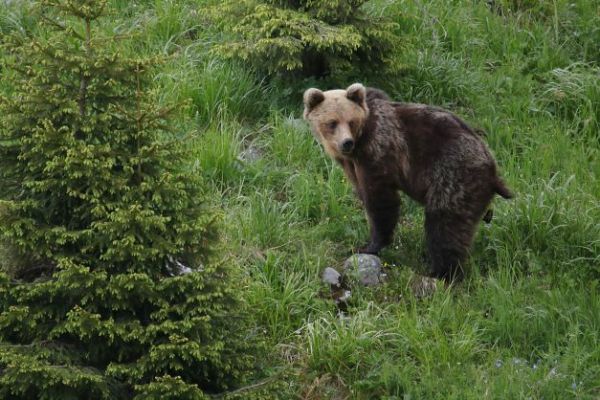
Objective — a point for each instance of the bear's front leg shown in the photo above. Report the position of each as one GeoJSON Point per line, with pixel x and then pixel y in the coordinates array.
{"type": "Point", "coordinates": [349, 171]}
{"type": "Point", "coordinates": [383, 210]}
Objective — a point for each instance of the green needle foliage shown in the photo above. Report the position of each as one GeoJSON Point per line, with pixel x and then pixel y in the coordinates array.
{"type": "Point", "coordinates": [311, 38]}
{"type": "Point", "coordinates": [103, 216]}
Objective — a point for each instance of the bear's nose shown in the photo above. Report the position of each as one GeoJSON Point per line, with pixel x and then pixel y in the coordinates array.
{"type": "Point", "coordinates": [347, 145]}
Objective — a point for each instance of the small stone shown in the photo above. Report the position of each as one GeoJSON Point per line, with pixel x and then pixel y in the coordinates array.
{"type": "Point", "coordinates": [183, 270]}
{"type": "Point", "coordinates": [331, 277]}
{"type": "Point", "coordinates": [295, 123]}
{"type": "Point", "coordinates": [251, 154]}
{"type": "Point", "coordinates": [340, 297]}
{"type": "Point", "coordinates": [423, 286]}
{"type": "Point", "coordinates": [345, 297]}
{"type": "Point", "coordinates": [176, 267]}
{"type": "Point", "coordinates": [519, 361]}
{"type": "Point", "coordinates": [365, 267]}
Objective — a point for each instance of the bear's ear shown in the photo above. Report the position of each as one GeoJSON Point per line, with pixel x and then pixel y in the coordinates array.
{"type": "Point", "coordinates": [358, 94]}
{"type": "Point", "coordinates": [312, 98]}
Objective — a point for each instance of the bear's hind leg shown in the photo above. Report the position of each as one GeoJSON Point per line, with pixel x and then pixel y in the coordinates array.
{"type": "Point", "coordinates": [449, 238]}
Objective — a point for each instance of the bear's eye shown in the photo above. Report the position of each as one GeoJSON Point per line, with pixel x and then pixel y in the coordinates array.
{"type": "Point", "coordinates": [332, 124]}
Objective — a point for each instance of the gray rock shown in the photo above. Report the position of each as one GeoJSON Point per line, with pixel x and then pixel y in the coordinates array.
{"type": "Point", "coordinates": [518, 361]}
{"type": "Point", "coordinates": [344, 297]}
{"type": "Point", "coordinates": [176, 267]}
{"type": "Point", "coordinates": [251, 154]}
{"type": "Point", "coordinates": [296, 123]}
{"type": "Point", "coordinates": [331, 277]}
{"type": "Point", "coordinates": [366, 268]}
{"type": "Point", "coordinates": [423, 287]}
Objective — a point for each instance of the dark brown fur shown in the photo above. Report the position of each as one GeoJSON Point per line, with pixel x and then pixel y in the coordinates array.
{"type": "Point", "coordinates": [431, 155]}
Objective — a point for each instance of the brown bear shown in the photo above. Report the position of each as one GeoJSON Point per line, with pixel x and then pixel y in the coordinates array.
{"type": "Point", "coordinates": [427, 152]}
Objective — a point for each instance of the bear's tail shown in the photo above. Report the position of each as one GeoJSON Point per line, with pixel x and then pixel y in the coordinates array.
{"type": "Point", "coordinates": [502, 190]}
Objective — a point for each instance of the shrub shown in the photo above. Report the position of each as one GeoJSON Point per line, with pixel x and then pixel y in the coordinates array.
{"type": "Point", "coordinates": [104, 215]}
{"type": "Point", "coordinates": [312, 38]}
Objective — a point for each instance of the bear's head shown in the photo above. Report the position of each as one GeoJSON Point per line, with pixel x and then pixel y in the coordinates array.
{"type": "Point", "coordinates": [336, 117]}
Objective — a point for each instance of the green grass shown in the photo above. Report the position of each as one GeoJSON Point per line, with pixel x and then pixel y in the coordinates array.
{"type": "Point", "coordinates": [526, 322]}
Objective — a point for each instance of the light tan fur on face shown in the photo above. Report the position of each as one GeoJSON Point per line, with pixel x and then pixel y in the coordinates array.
{"type": "Point", "coordinates": [322, 109]}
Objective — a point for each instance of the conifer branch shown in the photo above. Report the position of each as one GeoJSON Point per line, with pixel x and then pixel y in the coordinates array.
{"type": "Point", "coordinates": [61, 27]}
{"type": "Point", "coordinates": [84, 79]}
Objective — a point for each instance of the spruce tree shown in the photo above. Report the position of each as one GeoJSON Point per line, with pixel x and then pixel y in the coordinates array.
{"type": "Point", "coordinates": [102, 215]}
{"type": "Point", "coordinates": [310, 38]}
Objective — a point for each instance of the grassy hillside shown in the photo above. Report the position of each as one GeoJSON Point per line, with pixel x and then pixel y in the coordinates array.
{"type": "Point", "coordinates": [526, 322]}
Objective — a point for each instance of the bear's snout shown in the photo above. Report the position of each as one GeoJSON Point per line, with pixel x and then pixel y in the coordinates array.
{"type": "Point", "coordinates": [347, 146]}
